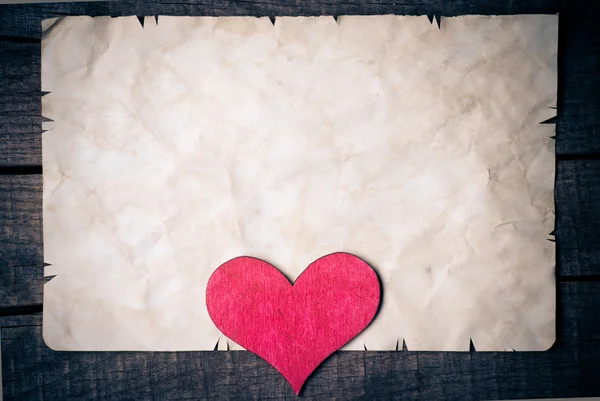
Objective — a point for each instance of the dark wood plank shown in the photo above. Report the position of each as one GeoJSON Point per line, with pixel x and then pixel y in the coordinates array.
{"type": "Point", "coordinates": [570, 369]}
{"type": "Point", "coordinates": [21, 253]}
{"type": "Point", "coordinates": [565, 372]}
{"type": "Point", "coordinates": [578, 314]}
{"type": "Point", "coordinates": [20, 104]}
{"type": "Point", "coordinates": [21, 127]}
{"type": "Point", "coordinates": [577, 194]}
{"type": "Point", "coordinates": [579, 58]}
{"type": "Point", "coordinates": [20, 140]}
{"type": "Point", "coordinates": [578, 79]}
{"type": "Point", "coordinates": [20, 64]}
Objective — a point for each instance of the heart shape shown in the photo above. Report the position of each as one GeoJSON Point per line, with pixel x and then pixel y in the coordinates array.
{"type": "Point", "coordinates": [293, 327]}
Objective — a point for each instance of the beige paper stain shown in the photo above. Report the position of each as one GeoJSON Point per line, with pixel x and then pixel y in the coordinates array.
{"type": "Point", "coordinates": [179, 145]}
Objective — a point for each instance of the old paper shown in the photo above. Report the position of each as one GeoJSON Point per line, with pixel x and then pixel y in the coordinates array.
{"type": "Point", "coordinates": [179, 145]}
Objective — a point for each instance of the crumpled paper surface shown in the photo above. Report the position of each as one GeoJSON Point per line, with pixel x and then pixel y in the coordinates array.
{"type": "Point", "coordinates": [180, 145]}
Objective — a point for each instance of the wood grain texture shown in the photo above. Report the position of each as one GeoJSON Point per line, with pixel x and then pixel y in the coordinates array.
{"type": "Point", "coordinates": [34, 372]}
{"type": "Point", "coordinates": [20, 104]}
{"type": "Point", "coordinates": [578, 314]}
{"type": "Point", "coordinates": [579, 58]}
{"type": "Point", "coordinates": [31, 371]}
{"type": "Point", "coordinates": [21, 254]}
{"type": "Point", "coordinates": [577, 194]}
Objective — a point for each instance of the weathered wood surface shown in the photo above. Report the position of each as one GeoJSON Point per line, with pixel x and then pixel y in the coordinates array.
{"type": "Point", "coordinates": [20, 126]}
{"type": "Point", "coordinates": [20, 103]}
{"type": "Point", "coordinates": [577, 227]}
{"type": "Point", "coordinates": [21, 253]}
{"type": "Point", "coordinates": [569, 369]}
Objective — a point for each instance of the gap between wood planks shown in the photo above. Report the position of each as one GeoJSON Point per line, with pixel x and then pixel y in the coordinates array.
{"type": "Point", "coordinates": [591, 156]}
{"type": "Point", "coordinates": [21, 170]}
{"type": "Point", "coordinates": [19, 39]}
{"type": "Point", "coordinates": [21, 310]}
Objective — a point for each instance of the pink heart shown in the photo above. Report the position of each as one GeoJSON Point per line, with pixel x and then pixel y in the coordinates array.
{"type": "Point", "coordinates": [293, 327]}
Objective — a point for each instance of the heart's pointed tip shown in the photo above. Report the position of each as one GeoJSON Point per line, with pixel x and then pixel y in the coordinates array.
{"type": "Point", "coordinates": [297, 388]}
{"type": "Point", "coordinates": [296, 384]}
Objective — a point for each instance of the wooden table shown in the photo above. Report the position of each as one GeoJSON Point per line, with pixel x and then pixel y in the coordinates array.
{"type": "Point", "coordinates": [30, 370]}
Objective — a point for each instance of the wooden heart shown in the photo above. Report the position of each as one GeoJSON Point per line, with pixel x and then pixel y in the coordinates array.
{"type": "Point", "coordinates": [293, 327]}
